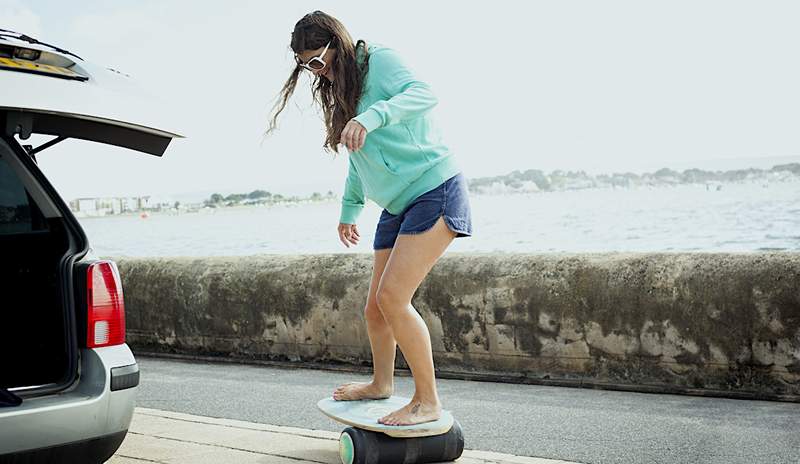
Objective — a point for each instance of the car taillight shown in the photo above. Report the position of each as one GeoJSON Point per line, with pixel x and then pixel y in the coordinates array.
{"type": "Point", "coordinates": [106, 312]}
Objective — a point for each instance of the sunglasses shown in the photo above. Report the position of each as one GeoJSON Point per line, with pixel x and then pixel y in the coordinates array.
{"type": "Point", "coordinates": [314, 64]}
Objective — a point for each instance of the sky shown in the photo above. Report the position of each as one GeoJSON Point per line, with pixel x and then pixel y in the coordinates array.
{"type": "Point", "coordinates": [611, 86]}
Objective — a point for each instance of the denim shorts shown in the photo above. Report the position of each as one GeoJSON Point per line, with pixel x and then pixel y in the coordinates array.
{"type": "Point", "coordinates": [448, 200]}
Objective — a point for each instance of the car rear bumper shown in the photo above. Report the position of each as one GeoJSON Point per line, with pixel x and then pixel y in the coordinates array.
{"type": "Point", "coordinates": [93, 450]}
{"type": "Point", "coordinates": [90, 415]}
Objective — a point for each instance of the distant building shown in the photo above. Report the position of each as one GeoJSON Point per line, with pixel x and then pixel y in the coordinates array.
{"type": "Point", "coordinates": [83, 207]}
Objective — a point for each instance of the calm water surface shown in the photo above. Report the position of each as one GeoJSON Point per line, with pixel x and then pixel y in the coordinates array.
{"type": "Point", "coordinates": [739, 217]}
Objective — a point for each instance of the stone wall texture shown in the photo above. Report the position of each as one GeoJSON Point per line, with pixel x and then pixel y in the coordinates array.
{"type": "Point", "coordinates": [705, 323]}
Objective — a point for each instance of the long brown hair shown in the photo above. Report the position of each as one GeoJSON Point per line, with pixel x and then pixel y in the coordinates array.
{"type": "Point", "coordinates": [338, 99]}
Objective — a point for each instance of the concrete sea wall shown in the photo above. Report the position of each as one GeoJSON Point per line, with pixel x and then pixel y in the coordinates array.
{"type": "Point", "coordinates": [707, 323]}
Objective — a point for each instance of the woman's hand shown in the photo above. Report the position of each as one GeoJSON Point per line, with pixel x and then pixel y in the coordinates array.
{"type": "Point", "coordinates": [353, 135]}
{"type": "Point", "coordinates": [348, 233]}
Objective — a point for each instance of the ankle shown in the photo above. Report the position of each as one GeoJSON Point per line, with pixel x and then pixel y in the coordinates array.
{"type": "Point", "coordinates": [383, 385]}
{"type": "Point", "coordinates": [430, 399]}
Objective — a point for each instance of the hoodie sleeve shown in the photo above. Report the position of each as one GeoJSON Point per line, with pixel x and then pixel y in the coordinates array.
{"type": "Point", "coordinates": [409, 99]}
{"type": "Point", "coordinates": [353, 197]}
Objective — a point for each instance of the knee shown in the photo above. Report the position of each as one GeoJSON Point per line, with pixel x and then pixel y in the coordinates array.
{"type": "Point", "coordinates": [387, 298]}
{"type": "Point", "coordinates": [372, 312]}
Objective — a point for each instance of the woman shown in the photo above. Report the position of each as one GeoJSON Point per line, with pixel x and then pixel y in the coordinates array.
{"type": "Point", "coordinates": [374, 105]}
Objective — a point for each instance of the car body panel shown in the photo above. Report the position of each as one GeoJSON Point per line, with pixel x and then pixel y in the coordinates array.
{"type": "Point", "coordinates": [90, 409]}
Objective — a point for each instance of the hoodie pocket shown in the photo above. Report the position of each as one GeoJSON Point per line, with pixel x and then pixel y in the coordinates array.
{"type": "Point", "coordinates": [389, 165]}
{"type": "Point", "coordinates": [383, 183]}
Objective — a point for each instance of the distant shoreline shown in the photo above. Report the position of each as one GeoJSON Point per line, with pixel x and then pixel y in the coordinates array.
{"type": "Point", "coordinates": [534, 180]}
{"type": "Point", "coordinates": [200, 209]}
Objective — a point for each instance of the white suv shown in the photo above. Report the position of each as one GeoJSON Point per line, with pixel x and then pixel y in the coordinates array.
{"type": "Point", "coordinates": [68, 381]}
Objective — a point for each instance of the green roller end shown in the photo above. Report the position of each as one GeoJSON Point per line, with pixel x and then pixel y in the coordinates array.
{"type": "Point", "coordinates": [346, 448]}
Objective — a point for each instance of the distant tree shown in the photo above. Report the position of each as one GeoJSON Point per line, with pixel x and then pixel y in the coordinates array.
{"type": "Point", "coordinates": [620, 180]}
{"type": "Point", "coordinates": [217, 198]}
{"type": "Point", "coordinates": [696, 176]}
{"type": "Point", "coordinates": [738, 174]}
{"type": "Point", "coordinates": [791, 167]}
{"type": "Point", "coordinates": [256, 194]}
{"type": "Point", "coordinates": [666, 172]}
{"type": "Point", "coordinates": [538, 178]}
{"type": "Point", "coordinates": [235, 197]}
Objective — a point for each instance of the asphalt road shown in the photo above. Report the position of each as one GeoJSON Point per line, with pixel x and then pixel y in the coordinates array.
{"type": "Point", "coordinates": [583, 425]}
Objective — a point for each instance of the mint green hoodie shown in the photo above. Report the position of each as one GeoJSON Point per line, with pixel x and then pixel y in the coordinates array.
{"type": "Point", "coordinates": [403, 155]}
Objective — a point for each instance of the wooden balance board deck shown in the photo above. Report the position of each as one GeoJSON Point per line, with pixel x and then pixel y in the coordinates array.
{"type": "Point", "coordinates": [364, 414]}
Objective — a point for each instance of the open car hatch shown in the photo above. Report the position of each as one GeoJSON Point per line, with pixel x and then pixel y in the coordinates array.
{"type": "Point", "coordinates": [51, 91]}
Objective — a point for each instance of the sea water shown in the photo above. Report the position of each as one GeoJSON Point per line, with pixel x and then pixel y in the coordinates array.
{"type": "Point", "coordinates": [738, 217]}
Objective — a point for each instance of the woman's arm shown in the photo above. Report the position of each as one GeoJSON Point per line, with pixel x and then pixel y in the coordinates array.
{"type": "Point", "coordinates": [353, 197]}
{"type": "Point", "coordinates": [409, 99]}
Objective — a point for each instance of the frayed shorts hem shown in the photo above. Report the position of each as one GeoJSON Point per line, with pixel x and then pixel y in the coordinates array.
{"type": "Point", "coordinates": [454, 224]}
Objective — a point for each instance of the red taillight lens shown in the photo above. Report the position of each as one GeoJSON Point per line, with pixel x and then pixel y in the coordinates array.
{"type": "Point", "coordinates": [106, 317]}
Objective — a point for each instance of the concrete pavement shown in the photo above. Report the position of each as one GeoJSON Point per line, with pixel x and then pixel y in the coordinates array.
{"type": "Point", "coordinates": [168, 437]}
{"type": "Point", "coordinates": [573, 424]}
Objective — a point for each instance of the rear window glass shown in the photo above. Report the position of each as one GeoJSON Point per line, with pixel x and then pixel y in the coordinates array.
{"type": "Point", "coordinates": [18, 214]}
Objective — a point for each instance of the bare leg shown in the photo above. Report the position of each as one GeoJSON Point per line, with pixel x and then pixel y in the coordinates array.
{"type": "Point", "coordinates": [412, 258]}
{"type": "Point", "coordinates": [381, 341]}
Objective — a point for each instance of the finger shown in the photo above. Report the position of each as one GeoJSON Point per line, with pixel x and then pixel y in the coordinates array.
{"type": "Point", "coordinates": [351, 138]}
{"type": "Point", "coordinates": [354, 135]}
{"type": "Point", "coordinates": [348, 236]}
{"type": "Point", "coordinates": [355, 231]}
{"type": "Point", "coordinates": [345, 133]}
{"type": "Point", "coordinates": [342, 239]}
{"type": "Point", "coordinates": [362, 135]}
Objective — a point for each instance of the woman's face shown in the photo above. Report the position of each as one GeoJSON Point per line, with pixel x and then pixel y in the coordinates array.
{"type": "Point", "coordinates": [328, 57]}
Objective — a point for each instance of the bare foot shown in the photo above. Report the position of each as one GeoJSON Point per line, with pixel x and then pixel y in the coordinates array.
{"type": "Point", "coordinates": [362, 391]}
{"type": "Point", "coordinates": [415, 412]}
